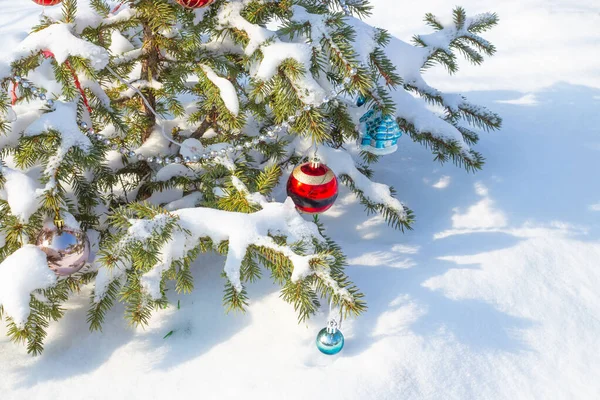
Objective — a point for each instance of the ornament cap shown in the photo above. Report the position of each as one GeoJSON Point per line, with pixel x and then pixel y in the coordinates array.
{"type": "Point", "coordinates": [315, 163]}
{"type": "Point", "coordinates": [332, 326]}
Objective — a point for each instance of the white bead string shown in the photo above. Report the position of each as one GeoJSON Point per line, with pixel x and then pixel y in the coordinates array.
{"type": "Point", "coordinates": [145, 100]}
{"type": "Point", "coordinates": [332, 323]}
{"type": "Point", "coordinates": [270, 133]}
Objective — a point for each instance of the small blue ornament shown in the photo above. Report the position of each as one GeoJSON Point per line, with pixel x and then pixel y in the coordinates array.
{"type": "Point", "coordinates": [330, 340]}
{"type": "Point", "coordinates": [361, 101]}
{"type": "Point", "coordinates": [379, 133]}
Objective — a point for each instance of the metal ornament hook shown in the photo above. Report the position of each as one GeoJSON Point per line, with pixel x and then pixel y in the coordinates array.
{"type": "Point", "coordinates": [315, 162]}
{"type": "Point", "coordinates": [147, 103]}
{"type": "Point", "coordinates": [332, 324]}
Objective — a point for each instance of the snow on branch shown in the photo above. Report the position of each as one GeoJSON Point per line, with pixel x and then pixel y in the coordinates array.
{"type": "Point", "coordinates": [462, 36]}
{"type": "Point", "coordinates": [22, 273]}
{"type": "Point", "coordinates": [274, 51]}
{"type": "Point", "coordinates": [442, 133]}
{"type": "Point", "coordinates": [376, 197]}
{"type": "Point", "coordinates": [59, 39]}
{"type": "Point", "coordinates": [226, 89]}
{"type": "Point", "coordinates": [62, 119]}
{"type": "Point", "coordinates": [240, 231]}
{"type": "Point", "coordinates": [20, 191]}
{"type": "Point", "coordinates": [342, 163]}
{"type": "Point", "coordinates": [230, 16]}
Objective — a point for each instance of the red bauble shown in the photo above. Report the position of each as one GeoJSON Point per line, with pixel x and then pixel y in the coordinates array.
{"type": "Point", "coordinates": [195, 3]}
{"type": "Point", "coordinates": [47, 2]}
{"type": "Point", "coordinates": [313, 187]}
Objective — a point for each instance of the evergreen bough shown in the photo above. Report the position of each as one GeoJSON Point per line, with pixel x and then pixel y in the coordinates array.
{"type": "Point", "coordinates": [173, 54]}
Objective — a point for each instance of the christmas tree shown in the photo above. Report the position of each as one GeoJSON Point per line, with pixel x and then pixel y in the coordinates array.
{"type": "Point", "coordinates": [137, 135]}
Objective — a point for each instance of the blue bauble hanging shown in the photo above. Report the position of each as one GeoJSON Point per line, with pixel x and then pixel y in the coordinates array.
{"type": "Point", "coordinates": [379, 133]}
{"type": "Point", "coordinates": [330, 340]}
{"type": "Point", "coordinates": [361, 101]}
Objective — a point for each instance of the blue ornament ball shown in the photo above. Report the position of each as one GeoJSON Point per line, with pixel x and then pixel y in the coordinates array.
{"type": "Point", "coordinates": [330, 341]}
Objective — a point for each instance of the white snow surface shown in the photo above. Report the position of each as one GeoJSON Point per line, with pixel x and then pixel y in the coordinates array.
{"type": "Point", "coordinates": [494, 295]}
{"type": "Point", "coordinates": [228, 93]}
{"type": "Point", "coordinates": [274, 218]}
{"type": "Point", "coordinates": [59, 39]}
{"type": "Point", "coordinates": [20, 193]}
{"type": "Point", "coordinates": [62, 119]}
{"type": "Point", "coordinates": [28, 271]}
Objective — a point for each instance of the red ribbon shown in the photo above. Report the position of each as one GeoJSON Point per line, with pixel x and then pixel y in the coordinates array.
{"type": "Point", "coordinates": [114, 10]}
{"type": "Point", "coordinates": [117, 7]}
{"type": "Point", "coordinates": [48, 54]}
{"type": "Point", "coordinates": [13, 93]}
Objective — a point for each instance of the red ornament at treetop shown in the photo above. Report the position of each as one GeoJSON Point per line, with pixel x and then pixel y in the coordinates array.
{"type": "Point", "coordinates": [47, 2]}
{"type": "Point", "coordinates": [195, 3]}
{"type": "Point", "coordinates": [313, 187]}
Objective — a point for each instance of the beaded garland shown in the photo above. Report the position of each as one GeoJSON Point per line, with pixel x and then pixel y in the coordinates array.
{"type": "Point", "coordinates": [270, 133]}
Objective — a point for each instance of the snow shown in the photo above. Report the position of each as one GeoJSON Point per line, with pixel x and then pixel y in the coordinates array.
{"type": "Point", "coordinates": [25, 116]}
{"type": "Point", "coordinates": [165, 196]}
{"type": "Point", "coordinates": [229, 14]}
{"type": "Point", "coordinates": [28, 271]}
{"type": "Point", "coordinates": [20, 192]}
{"type": "Point", "coordinates": [275, 53]}
{"type": "Point", "coordinates": [188, 201]}
{"type": "Point", "coordinates": [142, 229]}
{"type": "Point", "coordinates": [62, 119]}
{"type": "Point", "coordinates": [525, 100]}
{"type": "Point", "coordinates": [443, 182]}
{"type": "Point", "coordinates": [119, 43]}
{"type": "Point", "coordinates": [98, 92]}
{"type": "Point", "coordinates": [228, 93]}
{"type": "Point", "coordinates": [275, 218]}
{"type": "Point", "coordinates": [480, 216]}
{"type": "Point", "coordinates": [539, 42]}
{"type": "Point", "coordinates": [173, 170]}
{"type": "Point", "coordinates": [59, 39]}
{"type": "Point", "coordinates": [106, 276]}
{"type": "Point", "coordinates": [492, 296]}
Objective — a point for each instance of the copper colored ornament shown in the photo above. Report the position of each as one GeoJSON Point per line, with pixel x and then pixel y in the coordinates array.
{"type": "Point", "coordinates": [68, 249]}
{"type": "Point", "coordinates": [47, 2]}
{"type": "Point", "coordinates": [195, 3]}
{"type": "Point", "coordinates": [313, 187]}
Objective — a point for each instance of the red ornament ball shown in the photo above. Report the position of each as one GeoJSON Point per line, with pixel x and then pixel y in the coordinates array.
{"type": "Point", "coordinates": [195, 3]}
{"type": "Point", "coordinates": [313, 187]}
{"type": "Point", "coordinates": [47, 2]}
